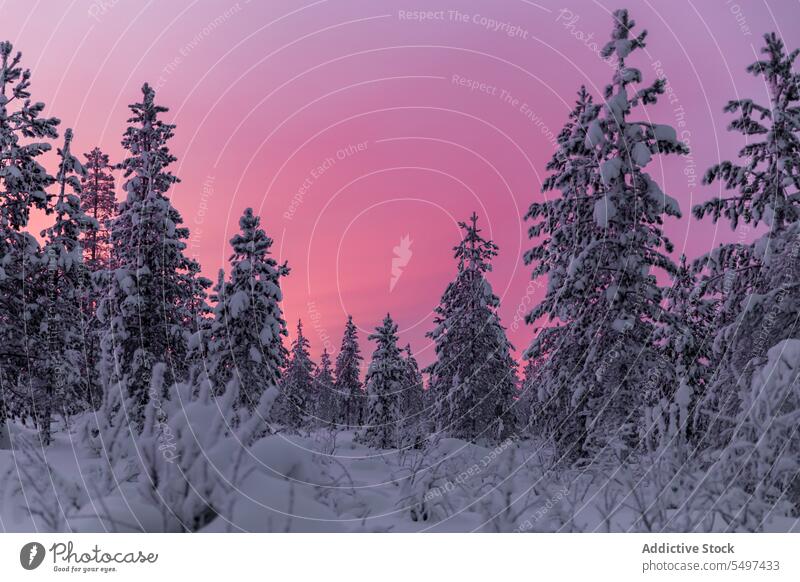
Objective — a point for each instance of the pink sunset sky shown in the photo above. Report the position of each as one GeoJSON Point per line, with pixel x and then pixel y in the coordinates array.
{"type": "Point", "coordinates": [350, 125]}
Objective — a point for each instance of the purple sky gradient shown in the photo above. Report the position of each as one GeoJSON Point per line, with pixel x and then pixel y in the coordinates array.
{"type": "Point", "coordinates": [348, 125]}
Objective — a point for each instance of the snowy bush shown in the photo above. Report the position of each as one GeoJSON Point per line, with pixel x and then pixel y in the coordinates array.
{"type": "Point", "coordinates": [765, 447]}
{"type": "Point", "coordinates": [190, 456]}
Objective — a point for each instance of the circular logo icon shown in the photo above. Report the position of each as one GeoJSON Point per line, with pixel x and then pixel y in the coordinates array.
{"type": "Point", "coordinates": [31, 555]}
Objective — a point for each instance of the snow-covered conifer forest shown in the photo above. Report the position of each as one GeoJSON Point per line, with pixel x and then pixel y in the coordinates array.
{"type": "Point", "coordinates": [660, 392]}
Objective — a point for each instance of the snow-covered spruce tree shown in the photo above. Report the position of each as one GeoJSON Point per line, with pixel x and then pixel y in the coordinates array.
{"type": "Point", "coordinates": [600, 242]}
{"type": "Point", "coordinates": [529, 406]}
{"type": "Point", "coordinates": [24, 135]}
{"type": "Point", "coordinates": [672, 415]}
{"type": "Point", "coordinates": [569, 222]}
{"type": "Point", "coordinates": [384, 383]}
{"type": "Point", "coordinates": [767, 182]}
{"type": "Point", "coordinates": [411, 398]}
{"type": "Point", "coordinates": [64, 282]}
{"type": "Point", "coordinates": [248, 328]}
{"type": "Point", "coordinates": [349, 390]}
{"type": "Point", "coordinates": [201, 319]}
{"type": "Point", "coordinates": [297, 400]}
{"type": "Point", "coordinates": [413, 428]}
{"type": "Point", "coordinates": [326, 411]}
{"type": "Point", "coordinates": [147, 306]}
{"type": "Point", "coordinates": [755, 286]}
{"type": "Point", "coordinates": [474, 377]}
{"type": "Point", "coordinates": [98, 201]}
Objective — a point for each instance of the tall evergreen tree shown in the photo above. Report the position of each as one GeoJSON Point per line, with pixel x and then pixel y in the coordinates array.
{"type": "Point", "coordinates": [24, 135]}
{"type": "Point", "coordinates": [201, 319]}
{"type": "Point", "coordinates": [384, 382]}
{"type": "Point", "coordinates": [474, 377]}
{"type": "Point", "coordinates": [98, 201]}
{"type": "Point", "coordinates": [411, 398]}
{"type": "Point", "coordinates": [535, 412]}
{"type": "Point", "coordinates": [64, 282]}
{"type": "Point", "coordinates": [685, 341]}
{"type": "Point", "coordinates": [326, 411]}
{"type": "Point", "coordinates": [297, 388]}
{"type": "Point", "coordinates": [755, 287]}
{"type": "Point", "coordinates": [569, 222]}
{"type": "Point", "coordinates": [349, 390]}
{"type": "Point", "coordinates": [413, 426]}
{"type": "Point", "coordinates": [603, 239]}
{"type": "Point", "coordinates": [147, 307]}
{"type": "Point", "coordinates": [248, 328]}
{"type": "Point", "coordinates": [767, 182]}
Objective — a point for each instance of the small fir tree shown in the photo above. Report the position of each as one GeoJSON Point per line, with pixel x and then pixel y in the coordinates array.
{"type": "Point", "coordinates": [384, 382]}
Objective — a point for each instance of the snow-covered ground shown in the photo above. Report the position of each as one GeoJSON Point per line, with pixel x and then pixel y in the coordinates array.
{"type": "Point", "coordinates": [328, 482]}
